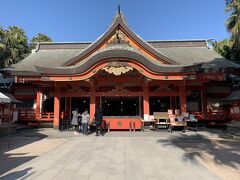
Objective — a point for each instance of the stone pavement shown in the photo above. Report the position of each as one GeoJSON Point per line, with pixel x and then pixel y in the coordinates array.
{"type": "Point", "coordinates": [234, 128]}
{"type": "Point", "coordinates": [113, 157]}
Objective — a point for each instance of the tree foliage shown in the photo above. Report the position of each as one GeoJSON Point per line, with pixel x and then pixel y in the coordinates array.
{"type": "Point", "coordinates": [230, 48]}
{"type": "Point", "coordinates": [233, 26]}
{"type": "Point", "coordinates": [39, 38]}
{"type": "Point", "coordinates": [223, 47]}
{"type": "Point", "coordinates": [14, 45]}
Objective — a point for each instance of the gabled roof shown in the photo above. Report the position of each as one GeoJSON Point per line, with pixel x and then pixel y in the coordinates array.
{"type": "Point", "coordinates": [53, 57]}
{"type": "Point", "coordinates": [157, 55]}
{"type": "Point", "coordinates": [119, 23]}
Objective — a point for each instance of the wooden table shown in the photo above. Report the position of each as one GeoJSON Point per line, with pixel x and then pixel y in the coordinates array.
{"type": "Point", "coordinates": [161, 121]}
{"type": "Point", "coordinates": [147, 121]}
{"type": "Point", "coordinates": [167, 124]}
{"type": "Point", "coordinates": [178, 124]}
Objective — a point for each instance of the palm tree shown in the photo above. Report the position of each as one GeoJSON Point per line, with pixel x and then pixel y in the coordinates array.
{"type": "Point", "coordinates": [233, 25]}
{"type": "Point", "coordinates": [233, 21]}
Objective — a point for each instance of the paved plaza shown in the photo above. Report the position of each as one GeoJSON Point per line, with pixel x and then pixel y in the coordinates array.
{"type": "Point", "coordinates": [124, 155]}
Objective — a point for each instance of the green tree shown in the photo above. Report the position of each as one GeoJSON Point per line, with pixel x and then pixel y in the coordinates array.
{"type": "Point", "coordinates": [13, 45]}
{"type": "Point", "coordinates": [39, 38]}
{"type": "Point", "coordinates": [2, 44]}
{"type": "Point", "coordinates": [223, 47]}
{"type": "Point", "coordinates": [233, 26]}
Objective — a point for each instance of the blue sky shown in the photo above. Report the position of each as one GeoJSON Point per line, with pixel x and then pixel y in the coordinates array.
{"type": "Point", "coordinates": [81, 20]}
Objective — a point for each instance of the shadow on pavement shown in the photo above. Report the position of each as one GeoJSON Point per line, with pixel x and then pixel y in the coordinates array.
{"type": "Point", "coordinates": [17, 174]}
{"type": "Point", "coordinates": [223, 151]}
{"type": "Point", "coordinates": [10, 160]}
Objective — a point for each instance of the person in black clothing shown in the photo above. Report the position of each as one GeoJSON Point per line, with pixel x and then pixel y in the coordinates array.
{"type": "Point", "coordinates": [98, 121]}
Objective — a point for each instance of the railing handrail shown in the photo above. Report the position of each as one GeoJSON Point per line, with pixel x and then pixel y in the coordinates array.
{"type": "Point", "coordinates": [31, 115]}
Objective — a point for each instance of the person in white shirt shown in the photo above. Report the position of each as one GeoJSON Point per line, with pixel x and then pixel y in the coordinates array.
{"type": "Point", "coordinates": [85, 120]}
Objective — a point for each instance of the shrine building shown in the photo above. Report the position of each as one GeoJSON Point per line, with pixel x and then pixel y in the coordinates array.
{"type": "Point", "coordinates": [128, 77]}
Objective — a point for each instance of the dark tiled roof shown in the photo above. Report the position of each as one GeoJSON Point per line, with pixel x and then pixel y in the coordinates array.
{"type": "Point", "coordinates": [154, 43]}
{"type": "Point", "coordinates": [178, 55]}
{"type": "Point", "coordinates": [192, 55]}
{"type": "Point", "coordinates": [185, 56]}
{"type": "Point", "coordinates": [63, 45]}
{"type": "Point", "coordinates": [119, 51]}
{"type": "Point", "coordinates": [44, 58]}
{"type": "Point", "coordinates": [178, 43]}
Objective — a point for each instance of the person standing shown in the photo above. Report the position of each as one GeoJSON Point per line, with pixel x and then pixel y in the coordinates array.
{"type": "Point", "coordinates": [80, 123]}
{"type": "Point", "coordinates": [75, 116]}
{"type": "Point", "coordinates": [85, 120]}
{"type": "Point", "coordinates": [98, 121]}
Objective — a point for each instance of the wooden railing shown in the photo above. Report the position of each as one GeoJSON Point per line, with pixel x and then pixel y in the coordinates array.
{"type": "Point", "coordinates": [48, 116]}
{"type": "Point", "coordinates": [31, 115]}
{"type": "Point", "coordinates": [214, 116]}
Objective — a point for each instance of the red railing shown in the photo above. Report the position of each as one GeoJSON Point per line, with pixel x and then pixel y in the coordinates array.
{"type": "Point", "coordinates": [31, 115]}
{"type": "Point", "coordinates": [212, 116]}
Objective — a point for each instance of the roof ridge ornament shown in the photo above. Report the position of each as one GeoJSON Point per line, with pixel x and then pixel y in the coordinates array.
{"type": "Point", "coordinates": [119, 22]}
{"type": "Point", "coordinates": [118, 38]}
{"type": "Point", "coordinates": [119, 9]}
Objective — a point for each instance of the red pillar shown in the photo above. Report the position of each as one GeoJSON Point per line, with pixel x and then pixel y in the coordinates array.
{"type": "Point", "coordinates": [38, 105]}
{"type": "Point", "coordinates": [183, 100]}
{"type": "Point", "coordinates": [146, 110]}
{"type": "Point", "coordinates": [56, 109]}
{"type": "Point", "coordinates": [38, 101]}
{"type": "Point", "coordinates": [92, 100]}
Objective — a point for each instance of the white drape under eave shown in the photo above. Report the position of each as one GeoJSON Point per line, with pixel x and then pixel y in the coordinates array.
{"type": "Point", "coordinates": [4, 98]}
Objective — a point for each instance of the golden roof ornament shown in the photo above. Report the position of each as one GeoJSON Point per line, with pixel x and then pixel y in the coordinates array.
{"type": "Point", "coordinates": [117, 71]}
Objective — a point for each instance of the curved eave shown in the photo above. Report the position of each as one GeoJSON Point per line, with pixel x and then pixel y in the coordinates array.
{"type": "Point", "coordinates": [119, 21]}
{"type": "Point", "coordinates": [102, 59]}
{"type": "Point", "coordinates": [97, 67]}
{"type": "Point", "coordinates": [117, 55]}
